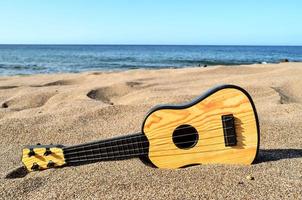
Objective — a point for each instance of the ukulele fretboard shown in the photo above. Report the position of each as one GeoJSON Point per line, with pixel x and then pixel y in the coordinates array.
{"type": "Point", "coordinates": [112, 149]}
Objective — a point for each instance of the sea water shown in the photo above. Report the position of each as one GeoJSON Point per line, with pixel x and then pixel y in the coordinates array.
{"type": "Point", "coordinates": [33, 59]}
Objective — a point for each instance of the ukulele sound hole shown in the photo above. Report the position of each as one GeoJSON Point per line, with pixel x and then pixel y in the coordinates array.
{"type": "Point", "coordinates": [185, 136]}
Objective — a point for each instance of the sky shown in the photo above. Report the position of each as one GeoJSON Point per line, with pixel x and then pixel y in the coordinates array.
{"type": "Point", "coordinates": [192, 22]}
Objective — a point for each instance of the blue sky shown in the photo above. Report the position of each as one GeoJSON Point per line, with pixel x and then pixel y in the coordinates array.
{"type": "Point", "coordinates": [211, 22]}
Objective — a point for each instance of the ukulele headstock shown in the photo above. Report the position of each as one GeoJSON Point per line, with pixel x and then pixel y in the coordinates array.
{"type": "Point", "coordinates": [40, 157]}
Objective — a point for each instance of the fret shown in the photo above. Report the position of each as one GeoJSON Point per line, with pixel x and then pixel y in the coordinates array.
{"type": "Point", "coordinates": [118, 148]}
{"type": "Point", "coordinates": [141, 144]}
{"type": "Point", "coordinates": [136, 147]}
{"type": "Point", "coordinates": [105, 151]}
{"type": "Point", "coordinates": [94, 151]}
{"type": "Point", "coordinates": [122, 147]}
{"type": "Point", "coordinates": [115, 149]}
{"type": "Point", "coordinates": [99, 149]}
{"type": "Point", "coordinates": [109, 149]}
{"type": "Point", "coordinates": [129, 146]}
{"type": "Point", "coordinates": [84, 154]}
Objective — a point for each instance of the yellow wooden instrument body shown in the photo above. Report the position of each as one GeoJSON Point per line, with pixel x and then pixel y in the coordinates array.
{"type": "Point", "coordinates": [204, 114]}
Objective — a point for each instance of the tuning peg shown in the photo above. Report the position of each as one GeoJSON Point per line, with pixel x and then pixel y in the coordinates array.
{"type": "Point", "coordinates": [50, 164]}
{"type": "Point", "coordinates": [31, 152]}
{"type": "Point", "coordinates": [35, 167]}
{"type": "Point", "coordinates": [47, 152]}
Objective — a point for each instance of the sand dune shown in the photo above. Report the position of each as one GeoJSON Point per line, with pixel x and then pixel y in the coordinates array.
{"type": "Point", "coordinates": [77, 108]}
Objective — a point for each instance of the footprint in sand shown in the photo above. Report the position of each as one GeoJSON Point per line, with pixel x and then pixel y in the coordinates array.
{"type": "Point", "coordinates": [109, 94]}
{"type": "Point", "coordinates": [57, 83]}
{"type": "Point", "coordinates": [288, 93]}
{"type": "Point", "coordinates": [8, 87]}
{"type": "Point", "coordinates": [27, 100]}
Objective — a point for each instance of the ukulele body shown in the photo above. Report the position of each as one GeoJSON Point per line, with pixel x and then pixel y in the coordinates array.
{"type": "Point", "coordinates": [220, 126]}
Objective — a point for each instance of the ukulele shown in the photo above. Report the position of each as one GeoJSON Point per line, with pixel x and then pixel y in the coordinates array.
{"type": "Point", "coordinates": [220, 126]}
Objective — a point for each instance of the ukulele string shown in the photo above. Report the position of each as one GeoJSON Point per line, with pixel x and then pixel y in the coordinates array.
{"type": "Point", "coordinates": [86, 159]}
{"type": "Point", "coordinates": [201, 121]}
{"type": "Point", "coordinates": [206, 130]}
{"type": "Point", "coordinates": [107, 154]}
{"type": "Point", "coordinates": [136, 154]}
{"type": "Point", "coordinates": [133, 149]}
{"type": "Point", "coordinates": [97, 145]}
{"type": "Point", "coordinates": [124, 150]}
{"type": "Point", "coordinates": [76, 159]}
{"type": "Point", "coordinates": [133, 137]}
{"type": "Point", "coordinates": [141, 142]}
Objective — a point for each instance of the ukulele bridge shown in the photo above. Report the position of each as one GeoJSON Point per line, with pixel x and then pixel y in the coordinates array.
{"type": "Point", "coordinates": [228, 123]}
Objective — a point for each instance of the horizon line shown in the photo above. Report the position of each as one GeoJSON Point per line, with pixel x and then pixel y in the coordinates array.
{"type": "Point", "coordinates": [116, 44]}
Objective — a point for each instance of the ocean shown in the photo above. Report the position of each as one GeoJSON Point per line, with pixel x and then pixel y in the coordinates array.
{"type": "Point", "coordinates": [34, 59]}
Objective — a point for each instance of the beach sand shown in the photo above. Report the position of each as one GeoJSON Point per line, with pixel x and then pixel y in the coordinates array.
{"type": "Point", "coordinates": [77, 108]}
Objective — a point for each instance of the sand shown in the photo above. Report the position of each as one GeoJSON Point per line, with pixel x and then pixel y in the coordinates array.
{"type": "Point", "coordinates": [77, 108]}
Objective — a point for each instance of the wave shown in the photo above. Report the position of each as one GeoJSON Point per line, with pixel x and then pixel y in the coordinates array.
{"type": "Point", "coordinates": [217, 62]}
{"type": "Point", "coordinates": [22, 67]}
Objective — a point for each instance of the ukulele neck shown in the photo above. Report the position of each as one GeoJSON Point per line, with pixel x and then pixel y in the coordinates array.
{"type": "Point", "coordinates": [118, 148]}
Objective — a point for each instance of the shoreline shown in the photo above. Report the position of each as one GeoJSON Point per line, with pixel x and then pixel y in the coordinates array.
{"type": "Point", "coordinates": [148, 69]}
